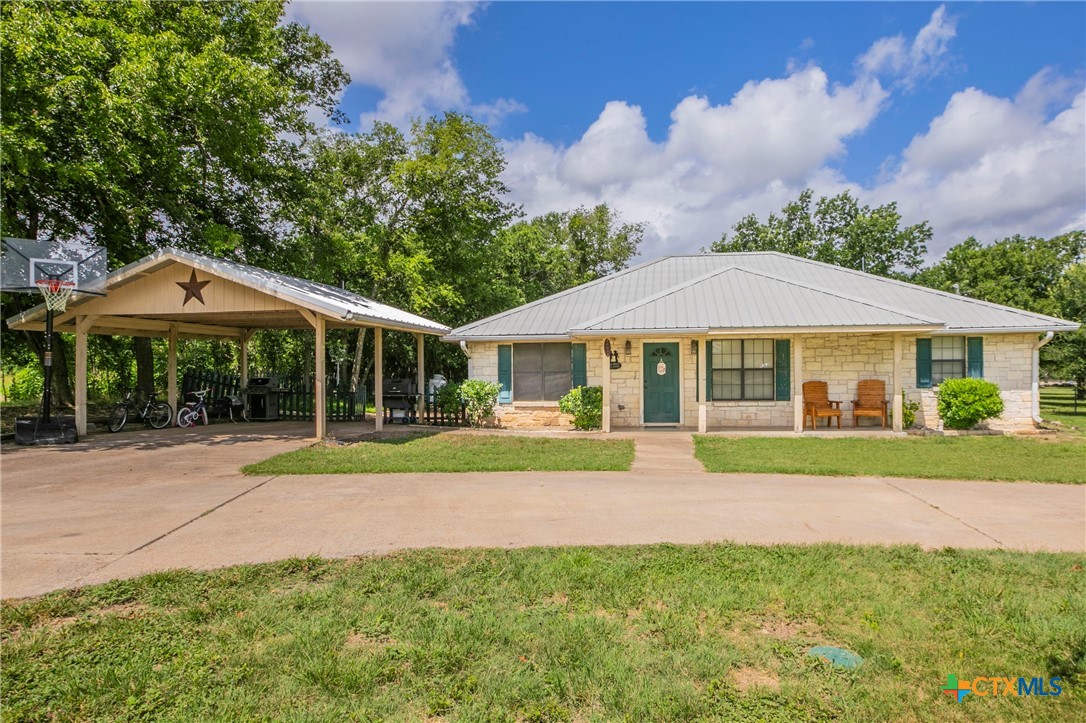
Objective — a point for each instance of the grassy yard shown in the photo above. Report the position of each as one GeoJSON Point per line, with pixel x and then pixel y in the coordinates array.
{"type": "Point", "coordinates": [966, 458]}
{"type": "Point", "coordinates": [1058, 405]}
{"type": "Point", "coordinates": [453, 452]}
{"type": "Point", "coordinates": [639, 633]}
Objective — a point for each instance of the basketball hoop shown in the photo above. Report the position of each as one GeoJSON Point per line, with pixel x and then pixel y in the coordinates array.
{"type": "Point", "coordinates": [56, 293]}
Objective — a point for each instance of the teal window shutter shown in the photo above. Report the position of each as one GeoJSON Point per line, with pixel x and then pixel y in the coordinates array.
{"type": "Point", "coordinates": [580, 366]}
{"type": "Point", "coordinates": [505, 373]}
{"type": "Point", "coordinates": [923, 363]}
{"type": "Point", "coordinates": [974, 357]}
{"type": "Point", "coordinates": [708, 370]}
{"type": "Point", "coordinates": [784, 370]}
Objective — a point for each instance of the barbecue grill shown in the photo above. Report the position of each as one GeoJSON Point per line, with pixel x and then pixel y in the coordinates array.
{"type": "Point", "coordinates": [263, 393]}
{"type": "Point", "coordinates": [401, 397]}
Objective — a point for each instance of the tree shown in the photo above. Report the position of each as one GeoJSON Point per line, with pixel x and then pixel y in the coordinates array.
{"type": "Point", "coordinates": [558, 251]}
{"type": "Point", "coordinates": [139, 124]}
{"type": "Point", "coordinates": [1018, 271]}
{"type": "Point", "coordinates": [839, 231]}
{"type": "Point", "coordinates": [1065, 356]}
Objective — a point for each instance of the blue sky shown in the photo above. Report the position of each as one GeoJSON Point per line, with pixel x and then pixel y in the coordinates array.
{"type": "Point", "coordinates": [688, 116]}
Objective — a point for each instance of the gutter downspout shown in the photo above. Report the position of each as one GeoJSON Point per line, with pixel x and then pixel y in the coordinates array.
{"type": "Point", "coordinates": [1036, 389]}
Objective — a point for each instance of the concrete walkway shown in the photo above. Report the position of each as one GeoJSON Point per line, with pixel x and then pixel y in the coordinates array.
{"type": "Point", "coordinates": [123, 505]}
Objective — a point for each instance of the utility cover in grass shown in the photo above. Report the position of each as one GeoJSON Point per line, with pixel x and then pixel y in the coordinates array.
{"type": "Point", "coordinates": [838, 656]}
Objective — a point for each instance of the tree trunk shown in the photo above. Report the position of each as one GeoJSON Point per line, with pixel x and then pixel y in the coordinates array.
{"type": "Point", "coordinates": [62, 384]}
{"type": "Point", "coordinates": [145, 363]}
{"type": "Point", "coordinates": [356, 367]}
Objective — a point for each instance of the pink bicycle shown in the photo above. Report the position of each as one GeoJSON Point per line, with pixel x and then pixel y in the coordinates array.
{"type": "Point", "coordinates": [192, 411]}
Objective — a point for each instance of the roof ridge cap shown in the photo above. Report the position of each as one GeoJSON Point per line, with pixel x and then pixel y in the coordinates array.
{"type": "Point", "coordinates": [928, 289]}
{"type": "Point", "coordinates": [841, 295]}
{"type": "Point", "coordinates": [653, 297]}
{"type": "Point", "coordinates": [558, 294]}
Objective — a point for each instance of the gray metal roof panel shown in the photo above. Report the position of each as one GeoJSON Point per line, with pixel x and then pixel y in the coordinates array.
{"type": "Point", "coordinates": [561, 313]}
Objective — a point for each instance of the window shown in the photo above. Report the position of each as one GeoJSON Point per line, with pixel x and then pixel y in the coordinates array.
{"type": "Point", "coordinates": [947, 358]}
{"type": "Point", "coordinates": [541, 372]}
{"type": "Point", "coordinates": [742, 369]}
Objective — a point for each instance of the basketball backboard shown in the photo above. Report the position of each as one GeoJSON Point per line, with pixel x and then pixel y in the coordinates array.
{"type": "Point", "coordinates": [25, 264]}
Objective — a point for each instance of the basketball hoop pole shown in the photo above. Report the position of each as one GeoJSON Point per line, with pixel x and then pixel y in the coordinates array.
{"type": "Point", "coordinates": [47, 386]}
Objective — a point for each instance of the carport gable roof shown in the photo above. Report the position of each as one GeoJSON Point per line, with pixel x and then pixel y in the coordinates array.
{"type": "Point", "coordinates": [347, 307]}
{"type": "Point", "coordinates": [734, 298]}
{"type": "Point", "coordinates": [565, 314]}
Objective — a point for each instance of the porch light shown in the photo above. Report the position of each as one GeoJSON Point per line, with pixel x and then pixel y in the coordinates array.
{"type": "Point", "coordinates": [694, 347]}
{"type": "Point", "coordinates": [629, 348]}
{"type": "Point", "coordinates": [607, 348]}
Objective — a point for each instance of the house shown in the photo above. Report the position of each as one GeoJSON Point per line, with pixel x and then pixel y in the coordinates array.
{"type": "Point", "coordinates": [721, 341]}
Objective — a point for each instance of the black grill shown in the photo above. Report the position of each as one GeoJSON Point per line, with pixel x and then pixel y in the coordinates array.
{"type": "Point", "coordinates": [400, 397]}
{"type": "Point", "coordinates": [263, 393]}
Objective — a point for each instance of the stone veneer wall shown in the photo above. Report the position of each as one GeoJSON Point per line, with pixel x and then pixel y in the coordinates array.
{"type": "Point", "coordinates": [838, 359]}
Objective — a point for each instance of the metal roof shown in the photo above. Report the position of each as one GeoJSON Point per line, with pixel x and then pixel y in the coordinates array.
{"type": "Point", "coordinates": [317, 297]}
{"type": "Point", "coordinates": [711, 293]}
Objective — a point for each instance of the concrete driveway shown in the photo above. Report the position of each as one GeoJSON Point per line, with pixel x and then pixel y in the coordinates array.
{"type": "Point", "coordinates": [123, 505]}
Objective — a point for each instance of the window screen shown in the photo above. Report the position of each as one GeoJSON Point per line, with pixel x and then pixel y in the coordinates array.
{"type": "Point", "coordinates": [947, 358]}
{"type": "Point", "coordinates": [541, 372]}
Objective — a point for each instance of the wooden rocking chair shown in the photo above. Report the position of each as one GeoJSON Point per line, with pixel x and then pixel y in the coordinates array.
{"type": "Point", "coordinates": [817, 403]}
{"type": "Point", "coordinates": [870, 401]}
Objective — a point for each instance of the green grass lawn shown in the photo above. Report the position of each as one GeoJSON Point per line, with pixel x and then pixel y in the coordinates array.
{"type": "Point", "coordinates": [1058, 405]}
{"type": "Point", "coordinates": [453, 452]}
{"type": "Point", "coordinates": [716, 632]}
{"type": "Point", "coordinates": [967, 458]}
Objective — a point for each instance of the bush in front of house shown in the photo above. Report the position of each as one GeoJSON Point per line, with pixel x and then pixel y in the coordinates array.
{"type": "Point", "coordinates": [586, 406]}
{"type": "Point", "coordinates": [964, 403]}
{"type": "Point", "coordinates": [448, 399]}
{"type": "Point", "coordinates": [908, 412]}
{"type": "Point", "coordinates": [480, 397]}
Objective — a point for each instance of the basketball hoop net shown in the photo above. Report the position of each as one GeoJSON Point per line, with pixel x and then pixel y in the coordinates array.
{"type": "Point", "coordinates": [56, 293]}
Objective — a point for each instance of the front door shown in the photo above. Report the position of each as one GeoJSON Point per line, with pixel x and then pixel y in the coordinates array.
{"type": "Point", "coordinates": [661, 375]}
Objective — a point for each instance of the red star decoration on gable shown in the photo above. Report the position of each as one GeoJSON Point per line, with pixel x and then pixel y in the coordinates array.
{"type": "Point", "coordinates": [193, 288]}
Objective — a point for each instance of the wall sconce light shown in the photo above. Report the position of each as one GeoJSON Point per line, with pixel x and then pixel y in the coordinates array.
{"type": "Point", "coordinates": [694, 347]}
{"type": "Point", "coordinates": [629, 348]}
{"type": "Point", "coordinates": [607, 348]}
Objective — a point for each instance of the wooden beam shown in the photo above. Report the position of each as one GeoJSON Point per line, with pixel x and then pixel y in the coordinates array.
{"type": "Point", "coordinates": [81, 325]}
{"type": "Point", "coordinates": [378, 378]}
{"type": "Point", "coordinates": [243, 356]}
{"type": "Point", "coordinates": [171, 370]}
{"type": "Point", "coordinates": [606, 421]}
{"type": "Point", "coordinates": [897, 403]}
{"type": "Point", "coordinates": [797, 383]}
{"type": "Point", "coordinates": [420, 357]}
{"type": "Point", "coordinates": [309, 316]}
{"type": "Point", "coordinates": [318, 383]}
{"type": "Point", "coordinates": [699, 384]}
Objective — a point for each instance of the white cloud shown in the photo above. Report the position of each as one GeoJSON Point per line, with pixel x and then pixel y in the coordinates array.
{"type": "Point", "coordinates": [992, 167]}
{"type": "Point", "coordinates": [405, 50]}
{"type": "Point", "coordinates": [909, 63]}
{"type": "Point", "coordinates": [718, 162]}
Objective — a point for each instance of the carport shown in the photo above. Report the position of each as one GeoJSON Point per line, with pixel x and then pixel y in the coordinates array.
{"type": "Point", "coordinates": [175, 294]}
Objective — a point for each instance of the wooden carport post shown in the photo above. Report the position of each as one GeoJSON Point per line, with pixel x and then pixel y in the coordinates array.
{"type": "Point", "coordinates": [82, 326]}
{"type": "Point", "coordinates": [171, 371]}
{"type": "Point", "coordinates": [320, 401]}
{"type": "Point", "coordinates": [798, 421]}
{"type": "Point", "coordinates": [896, 403]}
{"type": "Point", "coordinates": [378, 379]}
{"type": "Point", "coordinates": [243, 356]}
{"type": "Point", "coordinates": [420, 374]}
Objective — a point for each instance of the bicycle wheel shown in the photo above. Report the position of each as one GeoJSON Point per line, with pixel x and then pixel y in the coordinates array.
{"type": "Point", "coordinates": [117, 418]}
{"type": "Point", "coordinates": [160, 415]}
{"type": "Point", "coordinates": [186, 418]}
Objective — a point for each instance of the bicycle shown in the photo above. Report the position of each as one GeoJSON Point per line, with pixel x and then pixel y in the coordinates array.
{"type": "Point", "coordinates": [149, 410]}
{"type": "Point", "coordinates": [192, 411]}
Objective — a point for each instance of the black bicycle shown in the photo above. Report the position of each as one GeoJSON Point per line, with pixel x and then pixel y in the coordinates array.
{"type": "Point", "coordinates": [148, 409]}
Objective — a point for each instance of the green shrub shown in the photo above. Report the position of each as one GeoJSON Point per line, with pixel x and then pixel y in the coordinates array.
{"type": "Point", "coordinates": [586, 406]}
{"type": "Point", "coordinates": [448, 399]}
{"type": "Point", "coordinates": [481, 397]}
{"type": "Point", "coordinates": [26, 384]}
{"type": "Point", "coordinates": [963, 403]}
{"type": "Point", "coordinates": [908, 412]}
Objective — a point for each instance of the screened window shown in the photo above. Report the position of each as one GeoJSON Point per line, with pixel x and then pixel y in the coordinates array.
{"type": "Point", "coordinates": [947, 358]}
{"type": "Point", "coordinates": [541, 372]}
{"type": "Point", "coordinates": [742, 369]}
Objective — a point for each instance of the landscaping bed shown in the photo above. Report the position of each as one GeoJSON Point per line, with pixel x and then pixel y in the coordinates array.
{"type": "Point", "coordinates": [451, 452]}
{"type": "Point", "coordinates": [714, 632]}
{"type": "Point", "coordinates": [1057, 458]}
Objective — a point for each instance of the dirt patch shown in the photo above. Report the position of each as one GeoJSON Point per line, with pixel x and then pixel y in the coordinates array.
{"type": "Point", "coordinates": [747, 678]}
{"type": "Point", "coordinates": [784, 629]}
{"type": "Point", "coordinates": [368, 643]}
{"type": "Point", "coordinates": [558, 598]}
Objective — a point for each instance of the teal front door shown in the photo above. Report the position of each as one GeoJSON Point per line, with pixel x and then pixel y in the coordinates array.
{"type": "Point", "coordinates": [661, 375]}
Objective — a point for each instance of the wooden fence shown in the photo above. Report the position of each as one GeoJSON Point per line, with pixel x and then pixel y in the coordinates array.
{"type": "Point", "coordinates": [296, 400]}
